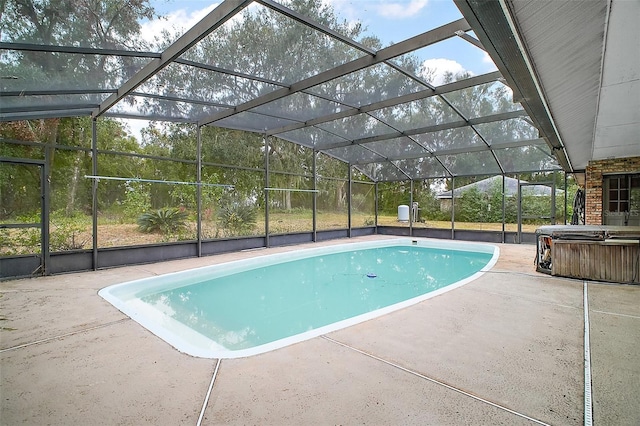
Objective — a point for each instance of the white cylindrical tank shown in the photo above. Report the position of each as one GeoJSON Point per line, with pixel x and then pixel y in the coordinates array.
{"type": "Point", "coordinates": [403, 213]}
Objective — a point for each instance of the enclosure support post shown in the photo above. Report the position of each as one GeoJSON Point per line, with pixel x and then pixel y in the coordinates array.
{"type": "Point", "coordinates": [376, 207]}
{"type": "Point", "coordinates": [199, 190]}
{"type": "Point", "coordinates": [349, 202]}
{"type": "Point", "coordinates": [266, 191]}
{"type": "Point", "coordinates": [94, 190]}
{"type": "Point", "coordinates": [518, 237]}
{"type": "Point", "coordinates": [553, 200]}
{"type": "Point", "coordinates": [453, 207]}
{"type": "Point", "coordinates": [504, 208]}
{"type": "Point", "coordinates": [566, 210]}
{"type": "Point", "coordinates": [314, 204]}
{"type": "Point", "coordinates": [44, 214]}
{"type": "Point", "coordinates": [411, 208]}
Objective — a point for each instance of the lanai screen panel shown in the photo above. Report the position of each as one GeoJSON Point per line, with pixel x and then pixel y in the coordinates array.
{"type": "Point", "coordinates": [355, 154]}
{"type": "Point", "coordinates": [531, 158]}
{"type": "Point", "coordinates": [509, 130]}
{"type": "Point", "coordinates": [383, 171]}
{"type": "Point", "coordinates": [369, 85]}
{"type": "Point", "coordinates": [422, 167]}
{"type": "Point", "coordinates": [300, 75]}
{"type": "Point", "coordinates": [450, 139]}
{"type": "Point", "coordinates": [471, 163]}
{"type": "Point", "coordinates": [403, 147]}
{"type": "Point", "coordinates": [28, 70]}
{"type": "Point", "coordinates": [427, 70]}
{"type": "Point", "coordinates": [265, 44]}
{"type": "Point", "coordinates": [300, 107]}
{"type": "Point", "coordinates": [357, 126]}
{"type": "Point", "coordinates": [420, 113]}
{"type": "Point", "coordinates": [60, 83]}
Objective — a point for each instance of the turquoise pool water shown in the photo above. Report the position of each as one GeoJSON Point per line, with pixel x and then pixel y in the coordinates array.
{"type": "Point", "coordinates": [248, 307]}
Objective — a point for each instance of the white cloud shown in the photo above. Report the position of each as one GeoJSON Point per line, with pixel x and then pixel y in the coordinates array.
{"type": "Point", "coordinates": [135, 127]}
{"type": "Point", "coordinates": [349, 9]}
{"type": "Point", "coordinates": [490, 65]}
{"type": "Point", "coordinates": [175, 23]}
{"type": "Point", "coordinates": [346, 10]}
{"type": "Point", "coordinates": [434, 70]}
{"type": "Point", "coordinates": [398, 10]}
{"type": "Point", "coordinates": [486, 59]}
{"type": "Point", "coordinates": [353, 10]}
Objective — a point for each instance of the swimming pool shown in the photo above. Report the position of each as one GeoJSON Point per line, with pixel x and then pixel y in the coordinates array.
{"type": "Point", "coordinates": [255, 305]}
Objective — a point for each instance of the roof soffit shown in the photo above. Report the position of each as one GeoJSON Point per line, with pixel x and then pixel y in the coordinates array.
{"type": "Point", "coordinates": [495, 30]}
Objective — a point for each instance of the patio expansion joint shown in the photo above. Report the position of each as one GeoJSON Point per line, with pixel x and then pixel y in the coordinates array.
{"type": "Point", "coordinates": [208, 395]}
{"type": "Point", "coordinates": [436, 381]}
{"type": "Point", "coordinates": [588, 398]}
{"type": "Point", "coordinates": [615, 314]}
{"type": "Point", "coordinates": [62, 336]}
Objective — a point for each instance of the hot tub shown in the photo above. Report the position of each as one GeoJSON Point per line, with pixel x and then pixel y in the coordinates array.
{"type": "Point", "coordinates": [590, 252]}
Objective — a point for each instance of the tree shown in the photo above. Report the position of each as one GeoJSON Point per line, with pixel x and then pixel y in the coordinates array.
{"type": "Point", "coordinates": [332, 182]}
{"type": "Point", "coordinates": [108, 24]}
{"type": "Point", "coordinates": [294, 162]}
{"type": "Point", "coordinates": [96, 23]}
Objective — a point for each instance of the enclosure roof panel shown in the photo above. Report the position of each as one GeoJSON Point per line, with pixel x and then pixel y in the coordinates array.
{"type": "Point", "coordinates": [397, 148]}
{"type": "Point", "coordinates": [308, 76]}
{"type": "Point", "coordinates": [423, 167]}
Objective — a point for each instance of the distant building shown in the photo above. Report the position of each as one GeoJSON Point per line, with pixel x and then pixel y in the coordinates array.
{"type": "Point", "coordinates": [486, 185]}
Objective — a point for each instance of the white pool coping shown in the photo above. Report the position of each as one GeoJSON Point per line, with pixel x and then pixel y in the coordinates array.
{"type": "Point", "coordinates": [188, 341]}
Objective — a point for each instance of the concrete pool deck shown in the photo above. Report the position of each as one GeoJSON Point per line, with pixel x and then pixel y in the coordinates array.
{"type": "Point", "coordinates": [504, 349]}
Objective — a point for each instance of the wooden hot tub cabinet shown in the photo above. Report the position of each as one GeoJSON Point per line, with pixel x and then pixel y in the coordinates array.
{"type": "Point", "coordinates": [597, 253]}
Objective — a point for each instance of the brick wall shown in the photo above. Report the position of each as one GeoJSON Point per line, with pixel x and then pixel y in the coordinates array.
{"type": "Point", "coordinates": [594, 181]}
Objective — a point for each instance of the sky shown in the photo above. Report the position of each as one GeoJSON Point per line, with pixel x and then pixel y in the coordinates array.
{"type": "Point", "coordinates": [390, 21]}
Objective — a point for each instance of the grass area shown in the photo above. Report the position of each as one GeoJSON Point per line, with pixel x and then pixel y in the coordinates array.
{"type": "Point", "coordinates": [112, 232]}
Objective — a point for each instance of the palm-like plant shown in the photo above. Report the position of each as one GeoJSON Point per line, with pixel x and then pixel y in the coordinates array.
{"type": "Point", "coordinates": [163, 220]}
{"type": "Point", "coordinates": [236, 218]}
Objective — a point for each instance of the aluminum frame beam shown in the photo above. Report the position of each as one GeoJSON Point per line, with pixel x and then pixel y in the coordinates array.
{"type": "Point", "coordinates": [57, 92]}
{"type": "Point", "coordinates": [471, 40]}
{"type": "Point", "coordinates": [56, 107]}
{"type": "Point", "coordinates": [30, 47]}
{"type": "Point", "coordinates": [45, 114]}
{"type": "Point", "coordinates": [225, 71]}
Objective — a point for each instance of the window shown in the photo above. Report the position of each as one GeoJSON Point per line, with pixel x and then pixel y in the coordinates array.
{"type": "Point", "coordinates": [622, 200]}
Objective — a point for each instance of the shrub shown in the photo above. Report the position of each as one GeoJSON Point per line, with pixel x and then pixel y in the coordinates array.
{"type": "Point", "coordinates": [19, 241]}
{"type": "Point", "coordinates": [164, 221]}
{"type": "Point", "coordinates": [137, 199]}
{"type": "Point", "coordinates": [68, 232]}
{"type": "Point", "coordinates": [236, 218]}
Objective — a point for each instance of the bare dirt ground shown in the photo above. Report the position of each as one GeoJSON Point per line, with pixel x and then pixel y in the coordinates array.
{"type": "Point", "coordinates": [128, 234]}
